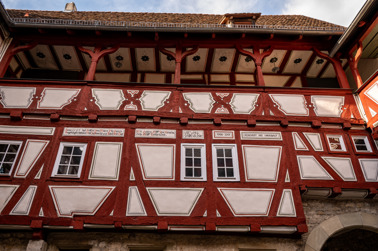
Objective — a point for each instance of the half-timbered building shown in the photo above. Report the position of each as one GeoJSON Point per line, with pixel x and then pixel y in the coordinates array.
{"type": "Point", "coordinates": [156, 131]}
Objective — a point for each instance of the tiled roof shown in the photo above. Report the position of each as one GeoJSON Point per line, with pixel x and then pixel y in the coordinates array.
{"type": "Point", "coordinates": [281, 20]}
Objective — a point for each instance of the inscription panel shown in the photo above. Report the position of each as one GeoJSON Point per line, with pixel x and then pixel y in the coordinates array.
{"type": "Point", "coordinates": [155, 133]}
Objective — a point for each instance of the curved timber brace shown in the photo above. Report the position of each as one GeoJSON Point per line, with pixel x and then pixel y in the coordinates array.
{"type": "Point", "coordinates": [178, 56]}
{"type": "Point", "coordinates": [13, 50]}
{"type": "Point", "coordinates": [96, 55]}
{"type": "Point", "coordinates": [353, 64]}
{"type": "Point", "coordinates": [258, 59]}
{"type": "Point", "coordinates": [341, 77]}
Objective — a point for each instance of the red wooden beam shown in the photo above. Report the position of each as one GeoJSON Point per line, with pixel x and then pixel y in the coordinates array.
{"type": "Point", "coordinates": [353, 64]}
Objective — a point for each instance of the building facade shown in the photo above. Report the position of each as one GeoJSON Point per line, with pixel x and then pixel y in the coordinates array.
{"type": "Point", "coordinates": [153, 131]}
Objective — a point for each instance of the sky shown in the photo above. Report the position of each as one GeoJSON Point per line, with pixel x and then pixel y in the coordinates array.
{"type": "Point", "coordinates": [339, 12]}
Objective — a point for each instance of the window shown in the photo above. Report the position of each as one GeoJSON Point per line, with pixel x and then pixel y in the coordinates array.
{"type": "Point", "coordinates": [225, 162]}
{"type": "Point", "coordinates": [8, 155]}
{"type": "Point", "coordinates": [193, 162]}
{"type": "Point", "coordinates": [336, 143]}
{"type": "Point", "coordinates": [69, 160]}
{"type": "Point", "coordinates": [361, 144]}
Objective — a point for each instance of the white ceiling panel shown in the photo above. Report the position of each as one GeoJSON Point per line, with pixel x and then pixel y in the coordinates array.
{"type": "Point", "coordinates": [67, 58]}
{"type": "Point", "coordinates": [167, 63]}
{"type": "Point", "coordinates": [222, 60]}
{"type": "Point", "coordinates": [297, 61]}
{"type": "Point", "coordinates": [42, 56]}
{"type": "Point", "coordinates": [121, 60]}
{"type": "Point", "coordinates": [101, 63]}
{"type": "Point", "coordinates": [277, 55]}
{"type": "Point", "coordinates": [197, 61]}
{"type": "Point", "coordinates": [245, 64]}
{"type": "Point", "coordinates": [145, 59]}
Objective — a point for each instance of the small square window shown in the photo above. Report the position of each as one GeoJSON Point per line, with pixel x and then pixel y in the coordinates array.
{"type": "Point", "coordinates": [336, 143]}
{"type": "Point", "coordinates": [193, 162]}
{"type": "Point", "coordinates": [225, 162]}
{"type": "Point", "coordinates": [8, 154]}
{"type": "Point", "coordinates": [69, 160]}
{"type": "Point", "coordinates": [361, 144]}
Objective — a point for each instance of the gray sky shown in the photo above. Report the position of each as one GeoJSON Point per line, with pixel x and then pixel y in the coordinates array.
{"type": "Point", "coordinates": [339, 12]}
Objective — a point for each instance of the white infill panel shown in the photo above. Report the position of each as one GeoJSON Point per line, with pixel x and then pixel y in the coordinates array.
{"type": "Point", "coordinates": [135, 206]}
{"type": "Point", "coordinates": [108, 99]}
{"type": "Point", "coordinates": [298, 143]}
{"type": "Point", "coordinates": [153, 100]}
{"type": "Point", "coordinates": [292, 105]}
{"type": "Point", "coordinates": [79, 200]}
{"type": "Point", "coordinates": [328, 106]}
{"type": "Point", "coordinates": [157, 161]}
{"type": "Point", "coordinates": [57, 98]}
{"type": "Point", "coordinates": [262, 163]}
{"type": "Point", "coordinates": [342, 166]}
{"type": "Point", "coordinates": [370, 169]}
{"type": "Point", "coordinates": [243, 103]}
{"type": "Point", "coordinates": [174, 201]}
{"type": "Point", "coordinates": [106, 161]}
{"type": "Point", "coordinates": [32, 151]}
{"type": "Point", "coordinates": [315, 141]}
{"type": "Point", "coordinates": [372, 92]}
{"type": "Point", "coordinates": [38, 175]}
{"type": "Point", "coordinates": [286, 207]}
{"type": "Point", "coordinates": [16, 97]}
{"type": "Point", "coordinates": [248, 201]}
{"type": "Point", "coordinates": [132, 176]}
{"type": "Point", "coordinates": [6, 193]}
{"type": "Point", "coordinates": [311, 169]}
{"type": "Point", "coordinates": [27, 130]}
{"type": "Point", "coordinates": [199, 102]}
{"type": "Point", "coordinates": [23, 205]}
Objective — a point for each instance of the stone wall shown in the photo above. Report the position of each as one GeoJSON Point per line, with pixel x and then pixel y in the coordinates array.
{"type": "Point", "coordinates": [316, 212]}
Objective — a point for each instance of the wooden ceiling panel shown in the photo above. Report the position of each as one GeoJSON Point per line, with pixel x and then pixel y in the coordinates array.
{"type": "Point", "coordinates": [273, 60]}
{"type": "Point", "coordinates": [43, 57]}
{"type": "Point", "coordinates": [68, 58]}
{"type": "Point", "coordinates": [145, 59]}
{"type": "Point", "coordinates": [297, 61]}
{"type": "Point", "coordinates": [197, 61]}
{"type": "Point", "coordinates": [329, 72]}
{"type": "Point", "coordinates": [121, 60]}
{"type": "Point", "coordinates": [23, 60]}
{"type": "Point", "coordinates": [316, 66]}
{"type": "Point", "coordinates": [167, 63]}
{"type": "Point", "coordinates": [275, 80]}
{"type": "Point", "coordinates": [222, 60]}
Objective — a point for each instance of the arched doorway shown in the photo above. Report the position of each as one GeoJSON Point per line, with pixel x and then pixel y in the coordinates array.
{"type": "Point", "coordinates": [343, 228]}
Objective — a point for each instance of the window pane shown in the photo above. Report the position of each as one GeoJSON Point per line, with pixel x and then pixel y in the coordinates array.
{"type": "Point", "coordinates": [197, 162]}
{"type": "Point", "coordinates": [13, 148]}
{"type": "Point", "coordinates": [188, 162]}
{"type": "Point", "coordinates": [220, 162]}
{"type": "Point", "coordinates": [189, 172]}
{"type": "Point", "coordinates": [9, 157]}
{"type": "Point", "coordinates": [5, 168]}
{"type": "Point", "coordinates": [188, 152]}
{"type": "Point", "coordinates": [73, 170]}
{"type": "Point", "coordinates": [65, 160]}
{"type": "Point", "coordinates": [78, 150]}
{"type": "Point", "coordinates": [3, 147]}
{"type": "Point", "coordinates": [1, 156]}
{"type": "Point", "coordinates": [75, 160]}
{"type": "Point", "coordinates": [62, 169]}
{"type": "Point", "coordinates": [229, 162]}
{"type": "Point", "coordinates": [361, 147]}
{"type": "Point", "coordinates": [230, 172]}
{"type": "Point", "coordinates": [67, 150]}
{"type": "Point", "coordinates": [228, 152]}
{"type": "Point", "coordinates": [220, 153]}
{"type": "Point", "coordinates": [359, 141]}
{"type": "Point", "coordinates": [197, 172]}
{"type": "Point", "coordinates": [221, 172]}
{"type": "Point", "coordinates": [197, 152]}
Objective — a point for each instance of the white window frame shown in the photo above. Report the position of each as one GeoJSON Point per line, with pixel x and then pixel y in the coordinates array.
{"type": "Point", "coordinates": [59, 155]}
{"type": "Point", "coordinates": [367, 143]}
{"type": "Point", "coordinates": [202, 147]}
{"type": "Point", "coordinates": [341, 140]}
{"type": "Point", "coordinates": [235, 162]}
{"type": "Point", "coordinates": [19, 143]}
